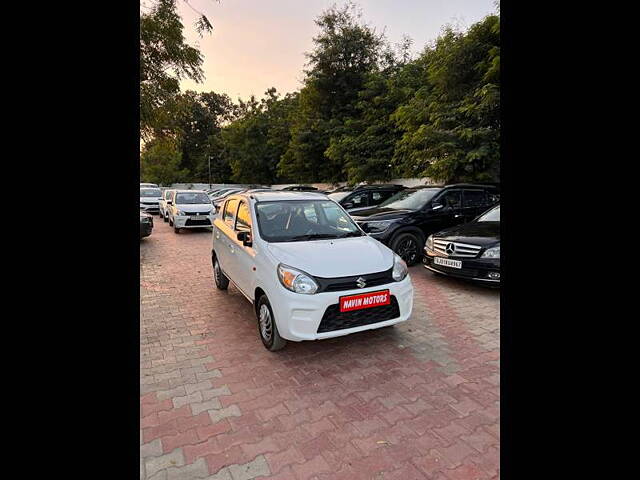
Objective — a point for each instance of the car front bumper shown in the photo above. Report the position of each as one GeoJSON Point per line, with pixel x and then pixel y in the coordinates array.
{"type": "Point", "coordinates": [185, 221]}
{"type": "Point", "coordinates": [150, 208]}
{"type": "Point", "coordinates": [145, 229]}
{"type": "Point", "coordinates": [299, 316]}
{"type": "Point", "coordinates": [482, 270]}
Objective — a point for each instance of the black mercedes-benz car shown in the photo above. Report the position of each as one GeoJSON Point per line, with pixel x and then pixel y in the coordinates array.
{"type": "Point", "coordinates": [146, 224]}
{"type": "Point", "coordinates": [404, 221]}
{"type": "Point", "coordinates": [470, 251]}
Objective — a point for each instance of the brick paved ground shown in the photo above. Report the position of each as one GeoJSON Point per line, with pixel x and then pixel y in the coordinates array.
{"type": "Point", "coordinates": [416, 401]}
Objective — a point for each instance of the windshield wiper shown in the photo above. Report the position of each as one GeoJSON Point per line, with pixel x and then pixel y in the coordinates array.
{"type": "Point", "coordinates": [352, 234]}
{"type": "Point", "coordinates": [312, 236]}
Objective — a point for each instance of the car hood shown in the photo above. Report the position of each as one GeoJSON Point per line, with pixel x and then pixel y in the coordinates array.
{"type": "Point", "coordinates": [475, 233]}
{"type": "Point", "coordinates": [150, 199]}
{"type": "Point", "coordinates": [195, 207]}
{"type": "Point", "coordinates": [379, 213]}
{"type": "Point", "coordinates": [342, 257]}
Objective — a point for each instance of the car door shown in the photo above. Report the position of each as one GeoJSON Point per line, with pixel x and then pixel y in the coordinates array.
{"type": "Point", "coordinates": [446, 211]}
{"type": "Point", "coordinates": [474, 202]}
{"type": "Point", "coordinates": [243, 261]}
{"type": "Point", "coordinates": [356, 200]}
{"type": "Point", "coordinates": [223, 236]}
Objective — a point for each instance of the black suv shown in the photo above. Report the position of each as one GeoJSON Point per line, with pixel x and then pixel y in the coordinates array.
{"type": "Point", "coordinates": [404, 221]}
{"type": "Point", "coordinates": [364, 196]}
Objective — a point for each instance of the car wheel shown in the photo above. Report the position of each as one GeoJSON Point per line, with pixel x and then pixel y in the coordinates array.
{"type": "Point", "coordinates": [267, 327]}
{"type": "Point", "coordinates": [407, 246]}
{"type": "Point", "coordinates": [222, 282]}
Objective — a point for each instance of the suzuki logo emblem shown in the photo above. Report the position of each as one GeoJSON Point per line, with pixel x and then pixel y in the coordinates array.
{"type": "Point", "coordinates": [450, 248]}
{"type": "Point", "coordinates": [361, 282]}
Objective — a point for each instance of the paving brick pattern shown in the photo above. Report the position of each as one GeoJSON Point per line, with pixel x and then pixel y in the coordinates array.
{"type": "Point", "coordinates": [416, 401]}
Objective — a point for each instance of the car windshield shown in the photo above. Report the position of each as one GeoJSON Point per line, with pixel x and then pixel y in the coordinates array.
{"type": "Point", "coordinates": [336, 197]}
{"type": "Point", "coordinates": [410, 199]}
{"type": "Point", "coordinates": [302, 220]}
{"type": "Point", "coordinates": [150, 192]}
{"type": "Point", "coordinates": [191, 198]}
{"type": "Point", "coordinates": [492, 215]}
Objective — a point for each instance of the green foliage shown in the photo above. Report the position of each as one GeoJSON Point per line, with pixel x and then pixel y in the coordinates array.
{"type": "Point", "coordinates": [160, 163]}
{"type": "Point", "coordinates": [165, 59]}
{"type": "Point", "coordinates": [345, 52]}
{"type": "Point", "coordinates": [452, 124]}
{"type": "Point", "coordinates": [365, 112]}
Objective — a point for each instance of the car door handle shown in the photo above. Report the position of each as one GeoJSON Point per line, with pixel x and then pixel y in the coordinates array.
{"type": "Point", "coordinates": [457, 216]}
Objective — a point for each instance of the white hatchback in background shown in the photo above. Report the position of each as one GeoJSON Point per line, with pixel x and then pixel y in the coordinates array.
{"type": "Point", "coordinates": [149, 199]}
{"type": "Point", "coordinates": [309, 270]}
{"type": "Point", "coordinates": [190, 209]}
{"type": "Point", "coordinates": [164, 203]}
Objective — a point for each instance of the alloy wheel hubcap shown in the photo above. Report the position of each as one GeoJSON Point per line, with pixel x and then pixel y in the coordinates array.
{"type": "Point", "coordinates": [265, 323]}
{"type": "Point", "coordinates": [407, 250]}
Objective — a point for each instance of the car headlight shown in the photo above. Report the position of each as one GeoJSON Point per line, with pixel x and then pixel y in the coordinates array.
{"type": "Point", "coordinates": [180, 213]}
{"type": "Point", "coordinates": [296, 281]}
{"type": "Point", "coordinates": [493, 252]}
{"type": "Point", "coordinates": [400, 269]}
{"type": "Point", "coordinates": [378, 226]}
{"type": "Point", "coordinates": [430, 242]}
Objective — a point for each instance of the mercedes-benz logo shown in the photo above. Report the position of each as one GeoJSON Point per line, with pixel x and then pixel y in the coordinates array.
{"type": "Point", "coordinates": [450, 248]}
{"type": "Point", "coordinates": [361, 282]}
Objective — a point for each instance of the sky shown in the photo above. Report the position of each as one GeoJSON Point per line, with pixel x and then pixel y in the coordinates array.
{"type": "Point", "coordinates": [258, 44]}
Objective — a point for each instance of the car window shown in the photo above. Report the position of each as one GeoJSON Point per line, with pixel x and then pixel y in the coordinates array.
{"type": "Point", "coordinates": [300, 220]}
{"type": "Point", "coordinates": [492, 215]}
{"type": "Point", "coordinates": [475, 198]}
{"type": "Point", "coordinates": [150, 192]}
{"type": "Point", "coordinates": [192, 198]}
{"type": "Point", "coordinates": [411, 199]}
{"type": "Point", "coordinates": [243, 220]}
{"type": "Point", "coordinates": [359, 199]}
{"type": "Point", "coordinates": [451, 198]}
{"type": "Point", "coordinates": [379, 197]}
{"type": "Point", "coordinates": [230, 211]}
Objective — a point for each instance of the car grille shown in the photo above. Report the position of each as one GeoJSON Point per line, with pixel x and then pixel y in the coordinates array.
{"type": "Point", "coordinates": [196, 213]}
{"type": "Point", "coordinates": [150, 203]}
{"type": "Point", "coordinates": [333, 319]}
{"type": "Point", "coordinates": [194, 223]}
{"type": "Point", "coordinates": [338, 284]}
{"type": "Point", "coordinates": [460, 249]}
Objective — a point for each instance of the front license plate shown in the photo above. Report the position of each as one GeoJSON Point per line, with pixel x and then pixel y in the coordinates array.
{"type": "Point", "coordinates": [200, 217]}
{"type": "Point", "coordinates": [447, 262]}
{"type": "Point", "coordinates": [366, 300]}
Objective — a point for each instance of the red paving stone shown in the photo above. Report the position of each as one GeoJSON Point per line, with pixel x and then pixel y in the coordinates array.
{"type": "Point", "coordinates": [416, 401]}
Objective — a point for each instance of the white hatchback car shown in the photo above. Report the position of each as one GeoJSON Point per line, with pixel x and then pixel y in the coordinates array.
{"type": "Point", "coordinates": [189, 209]}
{"type": "Point", "coordinates": [309, 270]}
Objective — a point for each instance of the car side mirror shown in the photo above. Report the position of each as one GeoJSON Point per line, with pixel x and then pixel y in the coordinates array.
{"type": "Point", "coordinates": [245, 238]}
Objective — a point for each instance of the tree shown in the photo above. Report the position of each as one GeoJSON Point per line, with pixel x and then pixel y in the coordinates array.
{"type": "Point", "coordinates": [160, 163]}
{"type": "Point", "coordinates": [165, 58]}
{"type": "Point", "coordinates": [345, 52]}
{"type": "Point", "coordinates": [256, 141]}
{"type": "Point", "coordinates": [451, 126]}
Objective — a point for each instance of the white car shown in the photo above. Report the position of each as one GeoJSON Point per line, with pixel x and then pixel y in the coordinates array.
{"type": "Point", "coordinates": [190, 209]}
{"type": "Point", "coordinates": [164, 203]}
{"type": "Point", "coordinates": [309, 270]}
{"type": "Point", "coordinates": [149, 199]}
{"type": "Point", "coordinates": [148, 185]}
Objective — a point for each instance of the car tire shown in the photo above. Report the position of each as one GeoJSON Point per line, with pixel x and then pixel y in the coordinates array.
{"type": "Point", "coordinates": [408, 246]}
{"type": "Point", "coordinates": [176, 229]}
{"type": "Point", "coordinates": [267, 328]}
{"type": "Point", "coordinates": [222, 282]}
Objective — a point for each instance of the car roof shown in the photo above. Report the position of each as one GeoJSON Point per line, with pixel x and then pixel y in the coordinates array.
{"type": "Point", "coordinates": [189, 191]}
{"type": "Point", "coordinates": [280, 195]}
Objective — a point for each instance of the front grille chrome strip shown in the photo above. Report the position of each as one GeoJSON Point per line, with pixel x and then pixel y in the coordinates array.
{"type": "Point", "coordinates": [464, 250]}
